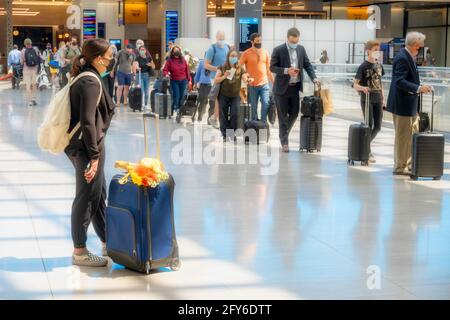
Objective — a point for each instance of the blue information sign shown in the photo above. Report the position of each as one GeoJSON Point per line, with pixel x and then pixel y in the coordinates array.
{"type": "Point", "coordinates": [171, 26]}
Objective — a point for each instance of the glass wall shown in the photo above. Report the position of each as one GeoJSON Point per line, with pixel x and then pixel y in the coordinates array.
{"type": "Point", "coordinates": [339, 77]}
{"type": "Point", "coordinates": [434, 23]}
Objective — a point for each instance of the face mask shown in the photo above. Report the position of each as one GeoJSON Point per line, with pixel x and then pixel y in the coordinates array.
{"type": "Point", "coordinates": [233, 60]}
{"type": "Point", "coordinates": [376, 55]}
{"type": "Point", "coordinates": [292, 45]}
{"type": "Point", "coordinates": [220, 42]}
{"type": "Point", "coordinates": [258, 45]}
{"type": "Point", "coordinates": [143, 54]}
{"type": "Point", "coordinates": [177, 54]}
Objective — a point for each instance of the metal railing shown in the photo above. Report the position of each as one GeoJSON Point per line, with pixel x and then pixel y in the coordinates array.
{"type": "Point", "coordinates": [339, 77]}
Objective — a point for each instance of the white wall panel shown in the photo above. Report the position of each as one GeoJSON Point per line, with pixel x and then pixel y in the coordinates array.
{"type": "Point", "coordinates": [268, 29]}
{"type": "Point", "coordinates": [281, 28]}
{"type": "Point", "coordinates": [341, 52]}
{"type": "Point", "coordinates": [325, 30]}
{"type": "Point", "coordinates": [224, 24]}
{"type": "Point", "coordinates": [307, 29]}
{"type": "Point", "coordinates": [345, 30]}
{"type": "Point", "coordinates": [363, 33]}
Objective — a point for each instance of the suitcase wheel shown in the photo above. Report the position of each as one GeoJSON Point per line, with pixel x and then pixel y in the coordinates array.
{"type": "Point", "coordinates": [351, 162]}
{"type": "Point", "coordinates": [364, 163]}
{"type": "Point", "coordinates": [175, 264]}
{"type": "Point", "coordinates": [415, 178]}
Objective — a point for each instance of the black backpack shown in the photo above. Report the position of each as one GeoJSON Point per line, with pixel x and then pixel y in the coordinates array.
{"type": "Point", "coordinates": [31, 58]}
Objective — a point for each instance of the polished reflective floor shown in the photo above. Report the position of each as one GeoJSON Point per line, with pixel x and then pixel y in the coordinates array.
{"type": "Point", "coordinates": [311, 228]}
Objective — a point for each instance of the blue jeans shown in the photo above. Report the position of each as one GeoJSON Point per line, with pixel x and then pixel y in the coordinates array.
{"type": "Point", "coordinates": [145, 87]}
{"type": "Point", "coordinates": [259, 93]}
{"type": "Point", "coordinates": [178, 91]}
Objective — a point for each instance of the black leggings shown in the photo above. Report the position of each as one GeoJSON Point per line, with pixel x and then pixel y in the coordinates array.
{"type": "Point", "coordinates": [89, 204]}
{"type": "Point", "coordinates": [375, 116]}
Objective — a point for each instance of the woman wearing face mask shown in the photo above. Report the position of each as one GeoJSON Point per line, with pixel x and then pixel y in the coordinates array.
{"type": "Point", "coordinates": [146, 66]}
{"type": "Point", "coordinates": [368, 81]}
{"type": "Point", "coordinates": [230, 76]}
{"type": "Point", "coordinates": [178, 69]}
{"type": "Point", "coordinates": [91, 110]}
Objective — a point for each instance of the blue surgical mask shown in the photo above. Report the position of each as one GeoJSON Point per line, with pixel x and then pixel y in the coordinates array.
{"type": "Point", "coordinates": [233, 60]}
{"type": "Point", "coordinates": [221, 42]}
{"type": "Point", "coordinates": [292, 45]}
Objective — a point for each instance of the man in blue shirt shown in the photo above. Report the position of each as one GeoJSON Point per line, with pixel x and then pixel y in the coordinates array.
{"type": "Point", "coordinates": [14, 56]}
{"type": "Point", "coordinates": [13, 62]}
{"type": "Point", "coordinates": [214, 58]}
{"type": "Point", "coordinates": [203, 82]}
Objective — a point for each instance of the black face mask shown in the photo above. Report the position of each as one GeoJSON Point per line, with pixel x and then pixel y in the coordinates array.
{"type": "Point", "coordinates": [177, 54]}
{"type": "Point", "coordinates": [258, 45]}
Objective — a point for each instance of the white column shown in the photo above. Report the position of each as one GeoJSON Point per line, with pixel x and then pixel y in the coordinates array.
{"type": "Point", "coordinates": [193, 18]}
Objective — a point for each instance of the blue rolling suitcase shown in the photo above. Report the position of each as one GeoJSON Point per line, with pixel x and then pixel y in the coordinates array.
{"type": "Point", "coordinates": [140, 229]}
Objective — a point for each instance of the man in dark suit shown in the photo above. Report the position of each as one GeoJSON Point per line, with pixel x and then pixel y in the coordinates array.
{"type": "Point", "coordinates": [287, 62]}
{"type": "Point", "coordinates": [403, 101]}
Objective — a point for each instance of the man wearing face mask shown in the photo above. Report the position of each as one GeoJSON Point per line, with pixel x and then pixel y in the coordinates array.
{"type": "Point", "coordinates": [257, 64]}
{"type": "Point", "coordinates": [403, 101]}
{"type": "Point", "coordinates": [288, 62]}
{"type": "Point", "coordinates": [368, 81]}
{"type": "Point", "coordinates": [215, 57]}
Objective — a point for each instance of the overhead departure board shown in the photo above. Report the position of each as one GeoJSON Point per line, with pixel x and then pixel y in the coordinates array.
{"type": "Point", "coordinates": [89, 24]}
{"type": "Point", "coordinates": [171, 26]}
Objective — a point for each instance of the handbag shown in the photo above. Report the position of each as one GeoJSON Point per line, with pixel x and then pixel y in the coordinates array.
{"type": "Point", "coordinates": [214, 93]}
{"type": "Point", "coordinates": [328, 107]}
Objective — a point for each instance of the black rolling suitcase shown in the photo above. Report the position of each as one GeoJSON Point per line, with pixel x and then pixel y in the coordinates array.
{"type": "Point", "coordinates": [152, 100]}
{"type": "Point", "coordinates": [256, 131]}
{"type": "Point", "coordinates": [359, 139]}
{"type": "Point", "coordinates": [310, 134]}
{"type": "Point", "coordinates": [189, 106]}
{"type": "Point", "coordinates": [428, 152]}
{"type": "Point", "coordinates": [243, 115]}
{"type": "Point", "coordinates": [312, 106]}
{"type": "Point", "coordinates": [163, 105]}
{"type": "Point", "coordinates": [135, 96]}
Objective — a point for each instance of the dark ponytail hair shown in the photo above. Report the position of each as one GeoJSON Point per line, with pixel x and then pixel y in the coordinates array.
{"type": "Point", "coordinates": [92, 49]}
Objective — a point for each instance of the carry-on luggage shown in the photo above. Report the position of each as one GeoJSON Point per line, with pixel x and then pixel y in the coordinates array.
{"type": "Point", "coordinates": [310, 134]}
{"type": "Point", "coordinates": [243, 115]}
{"type": "Point", "coordinates": [42, 80]}
{"type": "Point", "coordinates": [189, 106]}
{"type": "Point", "coordinates": [135, 95]}
{"type": "Point", "coordinates": [256, 131]}
{"type": "Point", "coordinates": [359, 138]}
{"type": "Point", "coordinates": [163, 105]}
{"type": "Point", "coordinates": [424, 118]}
{"type": "Point", "coordinates": [428, 152]}
{"type": "Point", "coordinates": [140, 229]}
{"type": "Point", "coordinates": [312, 106]}
{"type": "Point", "coordinates": [153, 100]}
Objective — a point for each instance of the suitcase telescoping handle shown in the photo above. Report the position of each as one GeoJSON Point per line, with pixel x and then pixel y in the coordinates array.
{"type": "Point", "coordinates": [158, 147]}
{"type": "Point", "coordinates": [432, 108]}
{"type": "Point", "coordinates": [367, 109]}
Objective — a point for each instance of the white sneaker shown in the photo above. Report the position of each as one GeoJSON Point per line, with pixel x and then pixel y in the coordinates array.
{"type": "Point", "coordinates": [88, 260]}
{"type": "Point", "coordinates": [104, 251]}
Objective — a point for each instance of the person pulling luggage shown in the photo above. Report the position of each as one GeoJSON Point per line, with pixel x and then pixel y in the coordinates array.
{"type": "Point", "coordinates": [229, 76]}
{"type": "Point", "coordinates": [203, 83]}
{"type": "Point", "coordinates": [92, 110]}
{"type": "Point", "coordinates": [368, 81]}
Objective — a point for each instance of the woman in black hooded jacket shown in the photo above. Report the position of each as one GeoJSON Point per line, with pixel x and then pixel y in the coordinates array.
{"type": "Point", "coordinates": [91, 112]}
